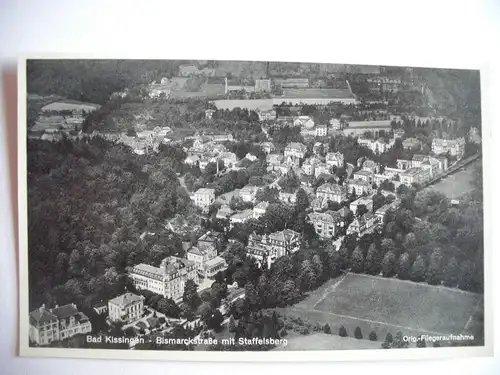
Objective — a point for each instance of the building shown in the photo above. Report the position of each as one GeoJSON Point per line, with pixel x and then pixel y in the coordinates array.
{"type": "Point", "coordinates": [321, 130]}
{"type": "Point", "coordinates": [204, 197]}
{"type": "Point", "coordinates": [335, 124]}
{"type": "Point", "coordinates": [289, 198]}
{"type": "Point", "coordinates": [228, 158]}
{"type": "Point", "coordinates": [326, 224]}
{"type": "Point", "coordinates": [317, 147]}
{"type": "Point", "coordinates": [360, 187]}
{"type": "Point", "coordinates": [296, 150]}
{"type": "Point", "coordinates": [188, 70]}
{"type": "Point", "coordinates": [247, 193]}
{"type": "Point", "coordinates": [205, 257]}
{"type": "Point", "coordinates": [363, 175]}
{"type": "Point", "coordinates": [404, 164]}
{"type": "Point", "coordinates": [167, 280]}
{"type": "Point", "coordinates": [322, 168]}
{"type": "Point", "coordinates": [456, 147]}
{"type": "Point", "coordinates": [367, 202]}
{"type": "Point", "coordinates": [331, 192]}
{"type": "Point", "coordinates": [192, 160]}
{"type": "Point", "coordinates": [251, 157]}
{"type": "Point", "coordinates": [304, 122]}
{"type": "Point", "coordinates": [377, 146]}
{"type": "Point", "coordinates": [262, 85]}
{"type": "Point", "coordinates": [412, 144]}
{"type": "Point", "coordinates": [224, 212]}
{"type": "Point", "coordinates": [268, 248]}
{"type": "Point", "coordinates": [126, 308]}
{"type": "Point", "coordinates": [370, 166]}
{"type": "Point", "coordinates": [474, 136]}
{"type": "Point", "coordinates": [62, 322]}
{"type": "Point", "coordinates": [398, 133]}
{"type": "Point", "coordinates": [211, 238]}
{"type": "Point", "coordinates": [267, 147]}
{"type": "Point", "coordinates": [335, 159]}
{"type": "Point", "coordinates": [381, 212]}
{"type": "Point", "coordinates": [362, 224]}
{"type": "Point", "coordinates": [100, 308]}
{"type": "Point", "coordinates": [309, 165]}
{"type": "Point", "coordinates": [267, 115]}
{"type": "Point", "coordinates": [414, 176]}
{"type": "Point", "coordinates": [443, 163]}
{"type": "Point", "coordinates": [241, 217]}
{"type": "Point", "coordinates": [260, 209]}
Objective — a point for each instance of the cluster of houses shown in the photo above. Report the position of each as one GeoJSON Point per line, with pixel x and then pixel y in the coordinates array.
{"type": "Point", "coordinates": [210, 149]}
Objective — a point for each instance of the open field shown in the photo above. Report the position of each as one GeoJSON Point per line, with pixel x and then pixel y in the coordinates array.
{"type": "Point", "coordinates": [389, 305]}
{"type": "Point", "coordinates": [322, 341]}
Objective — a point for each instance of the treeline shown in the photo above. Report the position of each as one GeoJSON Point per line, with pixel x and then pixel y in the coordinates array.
{"type": "Point", "coordinates": [89, 202]}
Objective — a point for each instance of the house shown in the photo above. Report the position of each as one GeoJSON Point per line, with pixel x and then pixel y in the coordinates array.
{"type": "Point", "coordinates": [267, 147]}
{"type": "Point", "coordinates": [456, 147]}
{"type": "Point", "coordinates": [304, 122]}
{"type": "Point", "coordinates": [367, 202]}
{"type": "Point", "coordinates": [228, 158]}
{"type": "Point", "coordinates": [212, 238]}
{"type": "Point", "coordinates": [326, 224]}
{"type": "Point", "coordinates": [126, 308]}
{"type": "Point", "coordinates": [322, 168]}
{"type": "Point", "coordinates": [335, 124]}
{"type": "Point", "coordinates": [414, 176]}
{"type": "Point", "coordinates": [101, 308]}
{"type": "Point", "coordinates": [370, 166]}
{"type": "Point", "coordinates": [360, 187]}
{"type": "Point", "coordinates": [331, 192]}
{"type": "Point", "coordinates": [283, 168]}
{"type": "Point", "coordinates": [289, 198]}
{"type": "Point", "coordinates": [411, 144]}
{"type": "Point", "coordinates": [443, 163]}
{"type": "Point", "coordinates": [192, 160]}
{"type": "Point", "coordinates": [167, 280]}
{"type": "Point", "coordinates": [268, 248]}
{"type": "Point", "coordinates": [224, 212]}
{"type": "Point", "coordinates": [309, 165]}
{"type": "Point", "coordinates": [204, 197]}
{"type": "Point", "coordinates": [318, 145]}
{"type": "Point", "coordinates": [404, 164]}
{"type": "Point", "coordinates": [209, 114]}
{"type": "Point", "coordinates": [418, 159]}
{"type": "Point", "coordinates": [274, 159]}
{"type": "Point", "coordinates": [319, 204]}
{"type": "Point", "coordinates": [267, 115]}
{"type": "Point", "coordinates": [207, 262]}
{"type": "Point", "coordinates": [321, 130]}
{"type": "Point", "coordinates": [251, 157]}
{"type": "Point", "coordinates": [378, 146]}
{"type": "Point", "coordinates": [398, 133]}
{"type": "Point", "coordinates": [363, 175]}
{"type": "Point", "coordinates": [382, 211]}
{"type": "Point", "coordinates": [296, 150]}
{"type": "Point", "coordinates": [247, 193]}
{"type": "Point", "coordinates": [260, 209]}
{"type": "Point", "coordinates": [362, 224]}
{"type": "Point", "coordinates": [241, 217]}
{"type": "Point", "coordinates": [335, 159]}
{"type": "Point", "coordinates": [62, 322]}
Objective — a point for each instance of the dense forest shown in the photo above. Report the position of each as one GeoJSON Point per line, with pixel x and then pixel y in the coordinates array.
{"type": "Point", "coordinates": [89, 203]}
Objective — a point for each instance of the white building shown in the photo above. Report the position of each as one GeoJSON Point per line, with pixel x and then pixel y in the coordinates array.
{"type": "Point", "coordinates": [456, 147]}
{"type": "Point", "coordinates": [321, 130]}
{"type": "Point", "coordinates": [331, 192]}
{"type": "Point", "coordinates": [248, 193]}
{"type": "Point", "coordinates": [335, 159]}
{"type": "Point", "coordinates": [296, 150]}
{"type": "Point", "coordinates": [260, 209]}
{"type": "Point", "coordinates": [367, 202]}
{"type": "Point", "coordinates": [206, 260]}
{"type": "Point", "coordinates": [204, 197]}
{"type": "Point", "coordinates": [126, 308]}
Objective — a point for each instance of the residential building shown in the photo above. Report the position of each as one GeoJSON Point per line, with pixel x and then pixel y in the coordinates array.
{"type": "Point", "coordinates": [360, 187]}
{"type": "Point", "coordinates": [413, 176]}
{"type": "Point", "coordinates": [335, 124]}
{"type": "Point", "coordinates": [381, 212]}
{"type": "Point", "coordinates": [126, 308]}
{"type": "Point", "coordinates": [100, 308]}
{"type": "Point", "coordinates": [267, 147]}
{"type": "Point", "coordinates": [443, 163]}
{"type": "Point", "coordinates": [296, 150]}
{"type": "Point", "coordinates": [412, 144]}
{"type": "Point", "coordinates": [404, 164]}
{"type": "Point", "coordinates": [241, 217]}
{"type": "Point", "coordinates": [322, 168]}
{"type": "Point", "coordinates": [367, 202]}
{"type": "Point", "coordinates": [211, 238]}
{"type": "Point", "coordinates": [370, 166]}
{"type": "Point", "coordinates": [228, 158]}
{"type": "Point", "coordinates": [262, 85]}
{"type": "Point", "coordinates": [268, 248]}
{"type": "Point", "coordinates": [204, 197]}
{"type": "Point", "coordinates": [456, 147]}
{"type": "Point", "coordinates": [289, 198]}
{"type": "Point", "coordinates": [167, 280]}
{"type": "Point", "coordinates": [309, 165]}
{"type": "Point", "coordinates": [363, 224]}
{"type": "Point", "coordinates": [335, 158]}
{"type": "Point", "coordinates": [317, 147]}
{"type": "Point", "coordinates": [251, 157]}
{"type": "Point", "coordinates": [319, 204]}
{"type": "Point", "coordinates": [224, 212]}
{"type": "Point", "coordinates": [474, 136]}
{"type": "Point", "coordinates": [274, 160]}
{"type": "Point", "coordinates": [260, 209]}
{"type": "Point", "coordinates": [321, 130]}
{"type": "Point", "coordinates": [267, 115]}
{"type": "Point", "coordinates": [205, 257]}
{"type": "Point", "coordinates": [209, 114]}
{"type": "Point", "coordinates": [62, 322]}
{"type": "Point", "coordinates": [331, 192]}
{"type": "Point", "coordinates": [248, 192]}
{"type": "Point", "coordinates": [188, 70]}
{"type": "Point", "coordinates": [398, 133]}
{"type": "Point", "coordinates": [192, 160]}
{"type": "Point", "coordinates": [363, 175]}
{"type": "Point", "coordinates": [326, 224]}
{"type": "Point", "coordinates": [418, 159]}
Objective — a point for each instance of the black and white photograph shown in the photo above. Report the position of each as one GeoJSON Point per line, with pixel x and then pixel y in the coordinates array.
{"type": "Point", "coordinates": [184, 208]}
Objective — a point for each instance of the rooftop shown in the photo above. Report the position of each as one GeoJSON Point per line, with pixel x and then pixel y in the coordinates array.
{"type": "Point", "coordinates": [126, 299]}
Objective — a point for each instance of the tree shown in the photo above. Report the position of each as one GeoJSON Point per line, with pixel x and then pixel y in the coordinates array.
{"type": "Point", "coordinates": [357, 333]}
{"type": "Point", "coordinates": [398, 341]}
{"type": "Point", "coordinates": [342, 332]}
{"type": "Point", "coordinates": [302, 201]}
{"type": "Point", "coordinates": [327, 329]}
{"type": "Point", "coordinates": [267, 194]}
{"type": "Point", "coordinates": [361, 210]}
{"type": "Point", "coordinates": [168, 307]}
{"type": "Point", "coordinates": [205, 311]}
{"type": "Point", "coordinates": [466, 275]}
{"type": "Point", "coordinates": [388, 245]}
{"type": "Point", "coordinates": [450, 277]}
{"type": "Point", "coordinates": [307, 277]}
{"type": "Point", "coordinates": [404, 266]}
{"type": "Point", "coordinates": [189, 181]}
{"type": "Point", "coordinates": [357, 260]}
{"type": "Point", "coordinates": [434, 273]}
{"type": "Point", "coordinates": [372, 336]}
{"type": "Point", "coordinates": [215, 320]}
{"type": "Point", "coordinates": [289, 182]}
{"type": "Point", "coordinates": [239, 308]}
{"type": "Point", "coordinates": [378, 201]}
{"type": "Point", "coordinates": [252, 296]}
{"type": "Point", "coordinates": [418, 269]}
{"type": "Point", "coordinates": [231, 325]}
{"type": "Point", "coordinates": [190, 296]}
{"type": "Point", "coordinates": [421, 343]}
{"type": "Point", "coordinates": [389, 264]}
{"type": "Point", "coordinates": [373, 260]}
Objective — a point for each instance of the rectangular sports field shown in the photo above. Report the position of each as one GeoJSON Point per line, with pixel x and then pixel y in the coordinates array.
{"type": "Point", "coordinates": [390, 305]}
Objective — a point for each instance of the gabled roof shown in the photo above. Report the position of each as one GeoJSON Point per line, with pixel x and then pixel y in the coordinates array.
{"type": "Point", "coordinates": [42, 315]}
{"type": "Point", "coordinates": [63, 312]}
{"type": "Point", "coordinates": [285, 235]}
{"type": "Point", "coordinates": [126, 299]}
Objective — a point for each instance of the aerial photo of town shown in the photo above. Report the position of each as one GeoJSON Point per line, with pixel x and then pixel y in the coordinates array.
{"type": "Point", "coordinates": [253, 206]}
